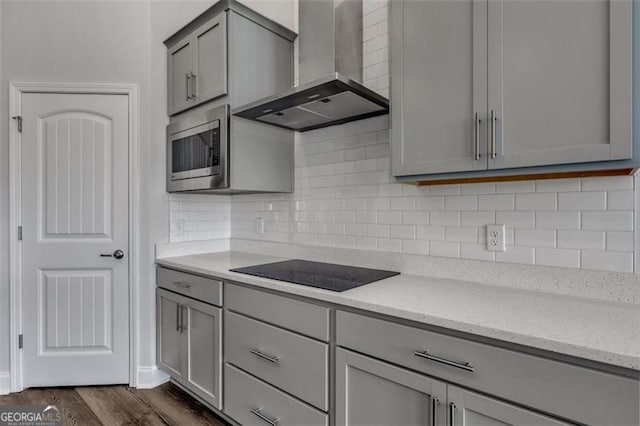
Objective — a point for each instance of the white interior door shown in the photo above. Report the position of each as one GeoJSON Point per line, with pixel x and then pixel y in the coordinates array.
{"type": "Point", "coordinates": [74, 211]}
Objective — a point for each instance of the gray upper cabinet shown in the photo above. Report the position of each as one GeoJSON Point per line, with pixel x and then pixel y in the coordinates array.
{"type": "Point", "coordinates": [197, 66]}
{"type": "Point", "coordinates": [481, 85]}
{"type": "Point", "coordinates": [372, 392]}
{"type": "Point", "coordinates": [467, 408]}
{"type": "Point", "coordinates": [559, 81]}
{"type": "Point", "coordinates": [438, 60]}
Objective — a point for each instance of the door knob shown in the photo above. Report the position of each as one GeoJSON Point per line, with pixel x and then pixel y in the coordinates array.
{"type": "Point", "coordinates": [118, 254]}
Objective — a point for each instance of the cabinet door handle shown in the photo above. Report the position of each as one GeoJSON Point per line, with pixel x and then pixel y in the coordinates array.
{"type": "Point", "coordinates": [494, 152]}
{"type": "Point", "coordinates": [188, 88]}
{"type": "Point", "coordinates": [182, 285]}
{"type": "Point", "coordinates": [178, 310]}
{"type": "Point", "coordinates": [258, 413]}
{"type": "Point", "coordinates": [476, 130]}
{"type": "Point", "coordinates": [270, 358]}
{"type": "Point", "coordinates": [182, 326]}
{"type": "Point", "coordinates": [462, 365]}
{"type": "Point", "coordinates": [434, 411]}
{"type": "Point", "coordinates": [452, 414]}
{"type": "Point", "coordinates": [194, 87]}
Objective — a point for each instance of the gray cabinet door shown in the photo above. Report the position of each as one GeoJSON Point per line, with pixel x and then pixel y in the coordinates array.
{"type": "Point", "coordinates": [169, 336]}
{"type": "Point", "coordinates": [179, 69]}
{"type": "Point", "coordinates": [559, 81]}
{"type": "Point", "coordinates": [203, 336]}
{"type": "Point", "coordinates": [472, 409]}
{"type": "Point", "coordinates": [209, 79]}
{"type": "Point", "coordinates": [438, 85]}
{"type": "Point", "coordinates": [372, 392]}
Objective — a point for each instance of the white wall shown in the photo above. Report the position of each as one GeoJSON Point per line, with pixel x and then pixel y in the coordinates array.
{"type": "Point", "coordinates": [104, 42]}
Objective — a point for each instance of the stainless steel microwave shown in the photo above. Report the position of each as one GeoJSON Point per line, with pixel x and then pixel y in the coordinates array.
{"type": "Point", "coordinates": [197, 151]}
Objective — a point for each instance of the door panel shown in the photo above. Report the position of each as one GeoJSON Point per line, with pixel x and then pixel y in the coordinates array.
{"type": "Point", "coordinates": [180, 66]}
{"type": "Point", "coordinates": [551, 68]}
{"type": "Point", "coordinates": [168, 318]}
{"type": "Point", "coordinates": [204, 330]}
{"type": "Point", "coordinates": [371, 392]}
{"type": "Point", "coordinates": [439, 81]}
{"type": "Point", "coordinates": [75, 208]}
{"type": "Point", "coordinates": [472, 409]}
{"type": "Point", "coordinates": [210, 65]}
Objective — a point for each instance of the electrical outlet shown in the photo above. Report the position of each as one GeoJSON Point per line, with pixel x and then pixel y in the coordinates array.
{"type": "Point", "coordinates": [179, 227]}
{"type": "Point", "coordinates": [259, 225]}
{"type": "Point", "coordinates": [496, 239]}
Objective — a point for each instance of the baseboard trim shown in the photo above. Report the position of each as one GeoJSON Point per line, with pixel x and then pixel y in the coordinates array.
{"type": "Point", "coordinates": [151, 377]}
{"type": "Point", "coordinates": [5, 383]}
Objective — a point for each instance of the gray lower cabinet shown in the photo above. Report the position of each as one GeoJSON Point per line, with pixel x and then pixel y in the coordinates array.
{"type": "Point", "coordinates": [372, 392]}
{"type": "Point", "coordinates": [189, 344]}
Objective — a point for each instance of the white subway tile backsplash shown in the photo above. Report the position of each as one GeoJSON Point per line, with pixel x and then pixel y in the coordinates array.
{"type": "Point", "coordinates": [535, 237]}
{"type": "Point", "coordinates": [444, 249]}
{"type": "Point", "coordinates": [608, 221]}
{"type": "Point", "coordinates": [620, 241]}
{"type": "Point", "coordinates": [516, 219]}
{"type": "Point", "coordinates": [594, 240]}
{"type": "Point", "coordinates": [496, 202]}
{"type": "Point", "coordinates": [345, 197]}
{"type": "Point", "coordinates": [607, 183]}
{"type": "Point", "coordinates": [607, 261]}
{"type": "Point", "coordinates": [558, 185]}
{"type": "Point", "coordinates": [620, 200]}
{"type": "Point", "coordinates": [558, 220]}
{"type": "Point", "coordinates": [461, 203]}
{"type": "Point", "coordinates": [536, 201]}
{"type": "Point", "coordinates": [566, 258]}
{"type": "Point", "coordinates": [582, 201]}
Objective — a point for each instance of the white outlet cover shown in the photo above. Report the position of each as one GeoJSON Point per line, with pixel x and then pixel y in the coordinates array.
{"type": "Point", "coordinates": [496, 238]}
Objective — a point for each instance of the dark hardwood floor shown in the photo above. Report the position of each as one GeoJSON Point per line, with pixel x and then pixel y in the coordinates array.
{"type": "Point", "coordinates": [120, 405]}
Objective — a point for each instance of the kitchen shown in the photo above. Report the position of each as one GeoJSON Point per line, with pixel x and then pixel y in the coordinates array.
{"type": "Point", "coordinates": [557, 304]}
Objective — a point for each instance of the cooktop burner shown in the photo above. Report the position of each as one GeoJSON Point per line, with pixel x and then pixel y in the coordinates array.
{"type": "Point", "coordinates": [317, 274]}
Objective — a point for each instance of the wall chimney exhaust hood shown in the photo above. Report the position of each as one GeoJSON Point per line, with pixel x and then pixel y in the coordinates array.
{"type": "Point", "coordinates": [330, 69]}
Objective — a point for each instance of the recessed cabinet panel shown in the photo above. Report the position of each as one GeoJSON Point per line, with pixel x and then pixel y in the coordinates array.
{"type": "Point", "coordinates": [438, 70]}
{"type": "Point", "coordinates": [472, 409]}
{"type": "Point", "coordinates": [210, 67]}
{"type": "Point", "coordinates": [169, 338]}
{"type": "Point", "coordinates": [371, 392]}
{"type": "Point", "coordinates": [180, 66]}
{"type": "Point", "coordinates": [551, 65]}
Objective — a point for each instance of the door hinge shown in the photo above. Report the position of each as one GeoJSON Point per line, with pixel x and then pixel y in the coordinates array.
{"type": "Point", "coordinates": [20, 342]}
{"type": "Point", "coordinates": [19, 233]}
{"type": "Point", "coordinates": [18, 119]}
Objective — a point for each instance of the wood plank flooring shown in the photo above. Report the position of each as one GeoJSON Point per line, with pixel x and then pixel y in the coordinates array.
{"type": "Point", "coordinates": [120, 405]}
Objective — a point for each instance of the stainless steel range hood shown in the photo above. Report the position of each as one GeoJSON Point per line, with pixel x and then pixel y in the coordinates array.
{"type": "Point", "coordinates": [330, 92]}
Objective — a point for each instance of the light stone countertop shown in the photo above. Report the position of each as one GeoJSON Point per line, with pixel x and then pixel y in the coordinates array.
{"type": "Point", "coordinates": [596, 330]}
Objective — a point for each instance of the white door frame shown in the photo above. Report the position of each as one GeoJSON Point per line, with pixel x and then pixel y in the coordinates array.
{"type": "Point", "coordinates": [16, 89]}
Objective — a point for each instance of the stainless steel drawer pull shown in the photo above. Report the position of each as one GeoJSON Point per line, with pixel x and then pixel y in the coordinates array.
{"type": "Point", "coordinates": [178, 311]}
{"type": "Point", "coordinates": [452, 414]}
{"type": "Point", "coordinates": [188, 88]}
{"type": "Point", "coordinates": [194, 89]}
{"type": "Point", "coordinates": [182, 285]}
{"type": "Point", "coordinates": [426, 355]}
{"type": "Point", "coordinates": [270, 358]}
{"type": "Point", "coordinates": [434, 411]}
{"type": "Point", "coordinates": [258, 413]}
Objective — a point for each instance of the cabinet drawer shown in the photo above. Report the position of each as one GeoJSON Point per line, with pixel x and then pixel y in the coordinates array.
{"type": "Point", "coordinates": [205, 289]}
{"type": "Point", "coordinates": [250, 401]}
{"type": "Point", "coordinates": [293, 363]}
{"type": "Point", "coordinates": [303, 317]}
{"type": "Point", "coordinates": [554, 387]}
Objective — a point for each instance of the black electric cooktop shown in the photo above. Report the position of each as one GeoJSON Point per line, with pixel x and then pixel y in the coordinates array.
{"type": "Point", "coordinates": [317, 274]}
